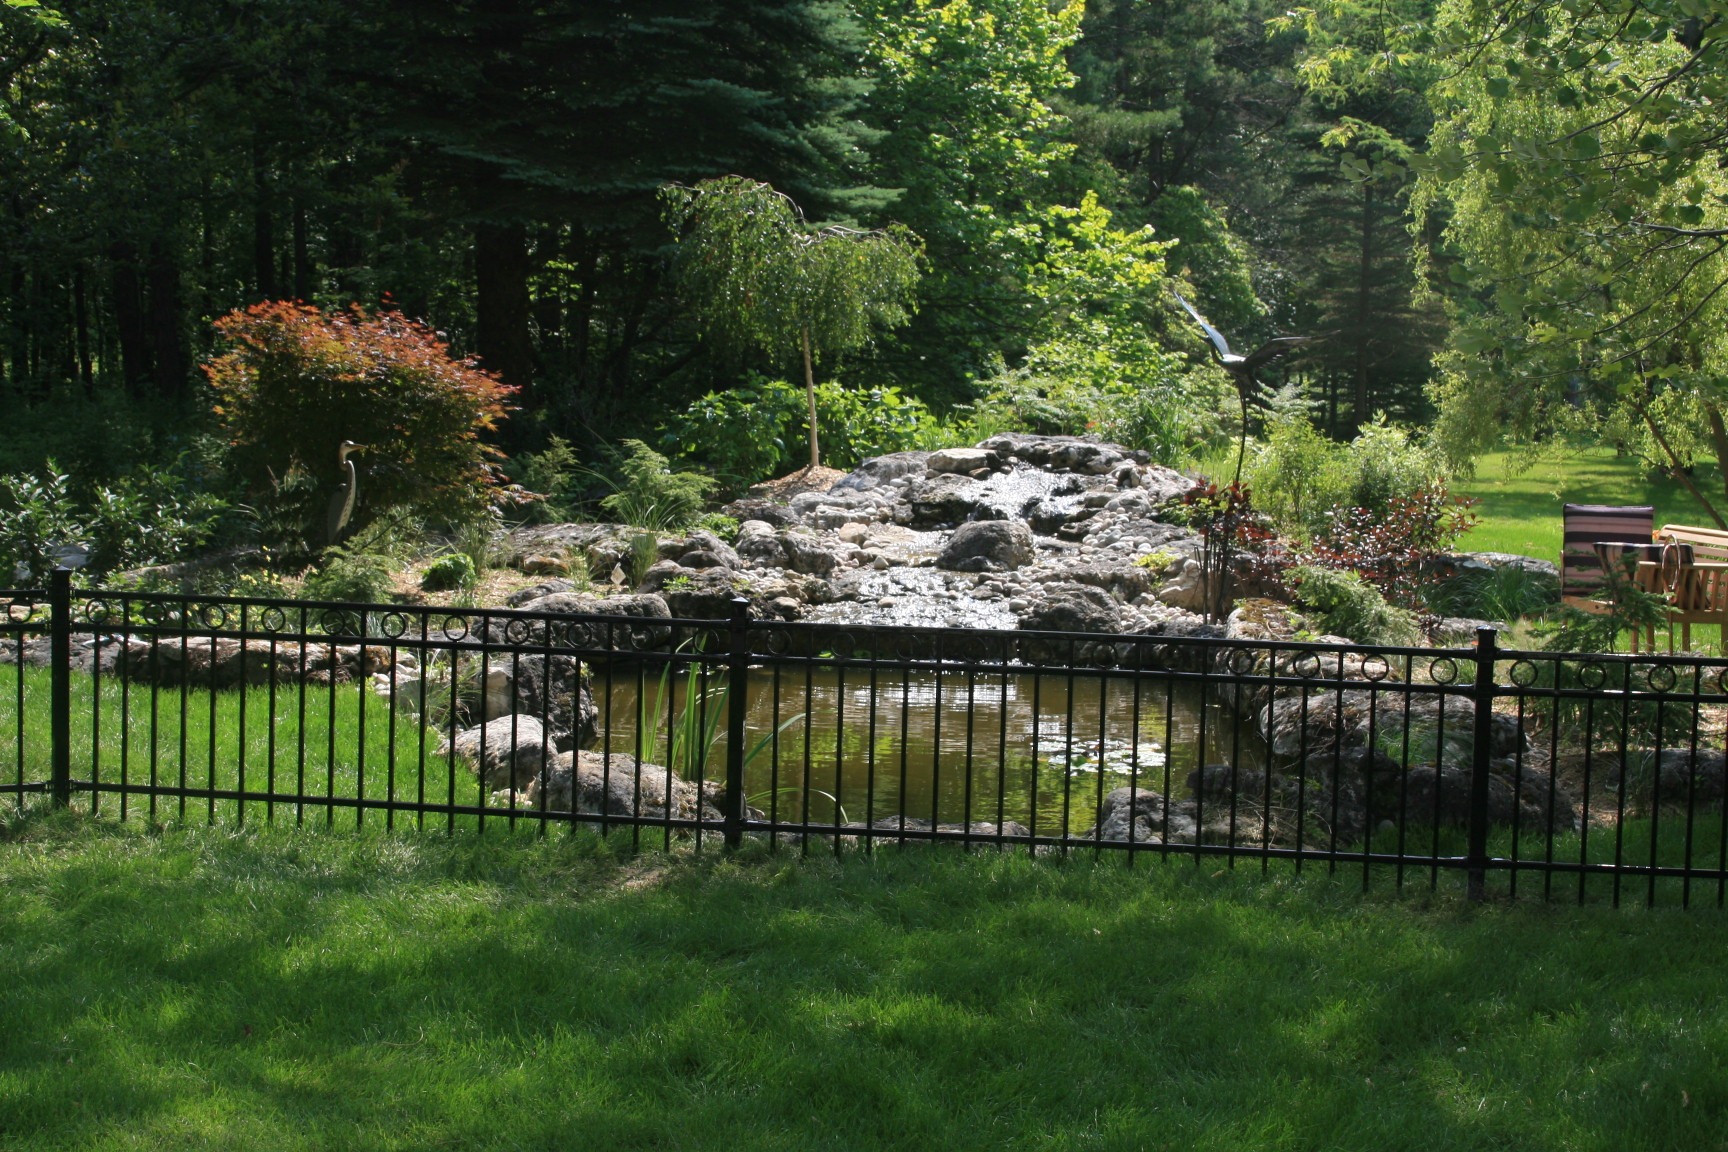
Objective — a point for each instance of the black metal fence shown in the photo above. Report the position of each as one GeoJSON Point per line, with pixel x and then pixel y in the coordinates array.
{"type": "Point", "coordinates": [1580, 775]}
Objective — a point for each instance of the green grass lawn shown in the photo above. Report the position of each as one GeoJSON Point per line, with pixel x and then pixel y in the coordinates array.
{"type": "Point", "coordinates": [316, 989]}
{"type": "Point", "coordinates": [1520, 507]}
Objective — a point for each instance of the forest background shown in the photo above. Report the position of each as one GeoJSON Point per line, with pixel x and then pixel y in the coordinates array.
{"type": "Point", "coordinates": [1509, 217]}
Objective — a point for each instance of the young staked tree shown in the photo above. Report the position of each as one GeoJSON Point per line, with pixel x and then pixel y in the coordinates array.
{"type": "Point", "coordinates": [757, 276]}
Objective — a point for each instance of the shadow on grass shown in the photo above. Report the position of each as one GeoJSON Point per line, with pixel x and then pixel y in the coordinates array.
{"type": "Point", "coordinates": [296, 990]}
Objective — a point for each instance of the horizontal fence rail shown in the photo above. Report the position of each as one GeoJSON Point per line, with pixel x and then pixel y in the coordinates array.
{"type": "Point", "coordinates": [1578, 774]}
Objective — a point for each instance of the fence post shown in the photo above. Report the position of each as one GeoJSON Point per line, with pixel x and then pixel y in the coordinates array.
{"type": "Point", "coordinates": [60, 685]}
{"type": "Point", "coordinates": [737, 703]}
{"type": "Point", "coordinates": [1482, 746]}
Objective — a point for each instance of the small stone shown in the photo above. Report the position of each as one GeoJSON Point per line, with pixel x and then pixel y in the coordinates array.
{"type": "Point", "coordinates": [545, 565]}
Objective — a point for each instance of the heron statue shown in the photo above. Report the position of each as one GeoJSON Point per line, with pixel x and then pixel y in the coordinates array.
{"type": "Point", "coordinates": [342, 502]}
{"type": "Point", "coordinates": [1242, 368]}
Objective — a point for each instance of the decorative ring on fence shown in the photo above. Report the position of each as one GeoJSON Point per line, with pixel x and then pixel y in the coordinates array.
{"type": "Point", "coordinates": [1443, 670]}
{"type": "Point", "coordinates": [393, 625]}
{"type": "Point", "coordinates": [640, 638]}
{"type": "Point", "coordinates": [1523, 673]}
{"type": "Point", "coordinates": [1375, 667]}
{"type": "Point", "coordinates": [1306, 665]}
{"type": "Point", "coordinates": [518, 631]}
{"type": "Point", "coordinates": [1591, 675]}
{"type": "Point", "coordinates": [561, 634]}
{"type": "Point", "coordinates": [155, 612]}
{"type": "Point", "coordinates": [709, 640]}
{"type": "Point", "coordinates": [1660, 678]}
{"type": "Point", "coordinates": [213, 615]}
{"type": "Point", "coordinates": [1242, 662]}
{"type": "Point", "coordinates": [336, 621]}
{"type": "Point", "coordinates": [842, 644]}
{"type": "Point", "coordinates": [1721, 681]}
{"type": "Point", "coordinates": [98, 612]}
{"type": "Point", "coordinates": [454, 627]}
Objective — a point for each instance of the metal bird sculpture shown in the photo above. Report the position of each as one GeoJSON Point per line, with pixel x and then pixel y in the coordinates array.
{"type": "Point", "coordinates": [341, 508]}
{"type": "Point", "coordinates": [1242, 368]}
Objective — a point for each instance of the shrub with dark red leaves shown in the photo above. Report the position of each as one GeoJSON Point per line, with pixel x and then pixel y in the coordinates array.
{"type": "Point", "coordinates": [1388, 549]}
{"type": "Point", "coordinates": [292, 382]}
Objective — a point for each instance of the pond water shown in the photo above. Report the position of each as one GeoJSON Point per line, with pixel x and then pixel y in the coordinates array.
{"type": "Point", "coordinates": [864, 745]}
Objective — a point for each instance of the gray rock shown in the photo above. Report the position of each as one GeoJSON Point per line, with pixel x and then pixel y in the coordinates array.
{"type": "Point", "coordinates": [1063, 453]}
{"type": "Point", "coordinates": [963, 460]}
{"type": "Point", "coordinates": [759, 545]}
{"type": "Point", "coordinates": [987, 546]}
{"type": "Point", "coordinates": [880, 470]}
{"type": "Point", "coordinates": [507, 752]}
{"type": "Point", "coordinates": [645, 633]}
{"type": "Point", "coordinates": [1065, 607]}
{"type": "Point", "coordinates": [616, 785]}
{"type": "Point", "coordinates": [545, 588]}
{"type": "Point", "coordinates": [810, 554]}
{"type": "Point", "coordinates": [1142, 816]}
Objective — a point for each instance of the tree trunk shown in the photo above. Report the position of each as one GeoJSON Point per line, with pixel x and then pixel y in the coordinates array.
{"type": "Point", "coordinates": [1365, 270]}
{"type": "Point", "coordinates": [81, 320]}
{"type": "Point", "coordinates": [128, 294]}
{"type": "Point", "coordinates": [302, 256]}
{"type": "Point", "coordinates": [502, 304]}
{"type": "Point", "coordinates": [263, 230]}
{"type": "Point", "coordinates": [167, 331]}
{"type": "Point", "coordinates": [810, 397]}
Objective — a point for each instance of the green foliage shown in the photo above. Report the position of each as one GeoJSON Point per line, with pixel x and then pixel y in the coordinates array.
{"type": "Point", "coordinates": [759, 277]}
{"type": "Point", "coordinates": [1507, 592]}
{"type": "Point", "coordinates": [150, 517]}
{"type": "Point", "coordinates": [1303, 480]}
{"type": "Point", "coordinates": [1344, 604]}
{"type": "Point", "coordinates": [294, 382]}
{"type": "Point", "coordinates": [353, 573]}
{"type": "Point", "coordinates": [1295, 469]}
{"type": "Point", "coordinates": [553, 475]}
{"type": "Point", "coordinates": [721, 525]}
{"type": "Point", "coordinates": [742, 435]}
{"type": "Point", "coordinates": [651, 495]}
{"type": "Point", "coordinates": [1577, 164]}
{"type": "Point", "coordinates": [450, 572]}
{"type": "Point", "coordinates": [362, 569]}
{"type": "Point", "coordinates": [1095, 332]}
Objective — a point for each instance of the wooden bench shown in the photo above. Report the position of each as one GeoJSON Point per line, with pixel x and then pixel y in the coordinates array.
{"type": "Point", "coordinates": [1697, 591]}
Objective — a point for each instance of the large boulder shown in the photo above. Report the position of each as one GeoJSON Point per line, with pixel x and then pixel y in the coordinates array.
{"type": "Point", "coordinates": [881, 470]}
{"type": "Point", "coordinates": [1141, 816]}
{"type": "Point", "coordinates": [963, 460]}
{"type": "Point", "coordinates": [1070, 607]}
{"type": "Point", "coordinates": [987, 546]}
{"type": "Point", "coordinates": [508, 752]}
{"type": "Point", "coordinates": [617, 785]}
{"type": "Point", "coordinates": [812, 555]}
{"type": "Point", "coordinates": [643, 629]}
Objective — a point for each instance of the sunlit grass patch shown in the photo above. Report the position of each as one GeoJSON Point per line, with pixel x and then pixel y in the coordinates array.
{"type": "Point", "coordinates": [298, 988]}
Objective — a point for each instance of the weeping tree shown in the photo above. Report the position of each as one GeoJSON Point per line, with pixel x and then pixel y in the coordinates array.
{"type": "Point", "coordinates": [757, 276]}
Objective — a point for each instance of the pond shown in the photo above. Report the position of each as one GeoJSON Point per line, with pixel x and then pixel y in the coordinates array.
{"type": "Point", "coordinates": [862, 745]}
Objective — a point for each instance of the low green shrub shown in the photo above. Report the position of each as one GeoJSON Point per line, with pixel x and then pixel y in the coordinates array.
{"type": "Point", "coordinates": [759, 429]}
{"type": "Point", "coordinates": [553, 475]}
{"type": "Point", "coordinates": [149, 517]}
{"type": "Point", "coordinates": [450, 572]}
{"type": "Point", "coordinates": [1509, 592]}
{"type": "Point", "coordinates": [1344, 604]}
{"type": "Point", "coordinates": [651, 495]}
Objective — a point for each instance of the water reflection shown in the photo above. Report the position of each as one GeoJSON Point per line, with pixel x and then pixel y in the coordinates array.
{"type": "Point", "coordinates": [847, 745]}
